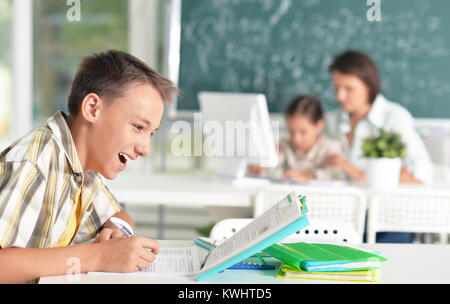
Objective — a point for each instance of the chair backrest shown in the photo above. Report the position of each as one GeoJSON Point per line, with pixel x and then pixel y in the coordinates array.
{"type": "Point", "coordinates": [346, 205]}
{"type": "Point", "coordinates": [412, 210]}
{"type": "Point", "coordinates": [316, 231]}
{"type": "Point", "coordinates": [319, 231]}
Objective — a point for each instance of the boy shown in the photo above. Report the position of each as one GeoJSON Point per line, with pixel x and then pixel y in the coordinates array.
{"type": "Point", "coordinates": [51, 194]}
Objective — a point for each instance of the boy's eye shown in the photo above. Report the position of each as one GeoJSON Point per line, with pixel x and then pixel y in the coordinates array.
{"type": "Point", "coordinates": [138, 127]}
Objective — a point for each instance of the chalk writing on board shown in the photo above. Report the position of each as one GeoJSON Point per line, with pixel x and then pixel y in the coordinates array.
{"type": "Point", "coordinates": [283, 48]}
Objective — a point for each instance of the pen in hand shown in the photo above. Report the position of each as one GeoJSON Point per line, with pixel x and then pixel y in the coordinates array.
{"type": "Point", "coordinates": [123, 226]}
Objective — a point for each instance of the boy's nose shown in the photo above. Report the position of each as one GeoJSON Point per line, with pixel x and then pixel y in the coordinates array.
{"type": "Point", "coordinates": [143, 148]}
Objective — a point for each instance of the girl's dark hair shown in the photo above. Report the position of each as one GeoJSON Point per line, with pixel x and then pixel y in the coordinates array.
{"type": "Point", "coordinates": [109, 73]}
{"type": "Point", "coordinates": [305, 105]}
{"type": "Point", "coordinates": [360, 65]}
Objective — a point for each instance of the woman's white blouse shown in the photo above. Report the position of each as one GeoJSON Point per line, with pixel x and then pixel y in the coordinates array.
{"type": "Point", "coordinates": [391, 117]}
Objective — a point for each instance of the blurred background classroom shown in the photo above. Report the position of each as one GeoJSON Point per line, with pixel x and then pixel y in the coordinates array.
{"type": "Point", "coordinates": [278, 48]}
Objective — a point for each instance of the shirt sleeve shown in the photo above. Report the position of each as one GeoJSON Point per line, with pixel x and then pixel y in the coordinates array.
{"type": "Point", "coordinates": [104, 206]}
{"type": "Point", "coordinates": [21, 191]}
{"type": "Point", "coordinates": [325, 172]}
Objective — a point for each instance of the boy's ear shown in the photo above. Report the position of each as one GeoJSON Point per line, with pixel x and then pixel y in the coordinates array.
{"type": "Point", "coordinates": [90, 107]}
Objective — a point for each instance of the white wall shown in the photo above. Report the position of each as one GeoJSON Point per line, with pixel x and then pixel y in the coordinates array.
{"type": "Point", "coordinates": [143, 30]}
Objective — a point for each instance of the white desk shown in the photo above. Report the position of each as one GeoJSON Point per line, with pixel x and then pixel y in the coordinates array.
{"type": "Point", "coordinates": [406, 263]}
{"type": "Point", "coordinates": [200, 191]}
{"type": "Point", "coordinates": [180, 190]}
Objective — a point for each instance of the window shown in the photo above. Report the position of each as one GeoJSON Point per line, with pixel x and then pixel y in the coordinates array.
{"type": "Point", "coordinates": [5, 67]}
{"type": "Point", "coordinates": [59, 45]}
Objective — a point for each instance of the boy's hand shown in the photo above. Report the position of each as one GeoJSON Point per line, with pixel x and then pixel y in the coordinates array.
{"type": "Point", "coordinates": [109, 234]}
{"type": "Point", "coordinates": [127, 255]}
{"type": "Point", "coordinates": [111, 231]}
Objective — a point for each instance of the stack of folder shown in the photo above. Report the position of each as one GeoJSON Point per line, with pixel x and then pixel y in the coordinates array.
{"type": "Point", "coordinates": [326, 262]}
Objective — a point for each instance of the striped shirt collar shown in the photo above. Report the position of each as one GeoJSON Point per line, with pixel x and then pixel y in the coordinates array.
{"type": "Point", "coordinates": [58, 124]}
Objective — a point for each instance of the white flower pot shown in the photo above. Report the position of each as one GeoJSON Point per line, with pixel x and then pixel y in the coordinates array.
{"type": "Point", "coordinates": [383, 173]}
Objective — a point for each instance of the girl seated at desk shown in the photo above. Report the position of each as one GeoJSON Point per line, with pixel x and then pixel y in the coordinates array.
{"type": "Point", "coordinates": [303, 156]}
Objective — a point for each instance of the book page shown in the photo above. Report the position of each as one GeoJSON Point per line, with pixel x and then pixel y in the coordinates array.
{"type": "Point", "coordinates": [176, 261]}
{"type": "Point", "coordinates": [276, 218]}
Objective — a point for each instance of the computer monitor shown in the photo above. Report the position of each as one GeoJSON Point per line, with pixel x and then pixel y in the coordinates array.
{"type": "Point", "coordinates": [237, 129]}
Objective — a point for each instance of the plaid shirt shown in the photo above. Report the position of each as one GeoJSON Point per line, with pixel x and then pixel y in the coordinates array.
{"type": "Point", "coordinates": [42, 183]}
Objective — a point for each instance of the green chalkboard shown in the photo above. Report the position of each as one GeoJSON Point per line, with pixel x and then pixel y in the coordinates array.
{"type": "Point", "coordinates": [282, 48]}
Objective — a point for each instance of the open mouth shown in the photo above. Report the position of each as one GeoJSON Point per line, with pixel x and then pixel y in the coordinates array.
{"type": "Point", "coordinates": [123, 158]}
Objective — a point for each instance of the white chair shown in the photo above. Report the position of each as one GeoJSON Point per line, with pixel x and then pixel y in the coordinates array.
{"type": "Point", "coordinates": [346, 205]}
{"type": "Point", "coordinates": [317, 231]}
{"type": "Point", "coordinates": [225, 228]}
{"type": "Point", "coordinates": [325, 231]}
{"type": "Point", "coordinates": [412, 210]}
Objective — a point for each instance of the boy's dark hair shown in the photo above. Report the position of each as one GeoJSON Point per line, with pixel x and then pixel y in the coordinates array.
{"type": "Point", "coordinates": [360, 65]}
{"type": "Point", "coordinates": [305, 105]}
{"type": "Point", "coordinates": [107, 74]}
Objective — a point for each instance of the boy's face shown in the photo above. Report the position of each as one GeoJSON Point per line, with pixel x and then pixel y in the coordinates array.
{"type": "Point", "coordinates": [123, 128]}
{"type": "Point", "coordinates": [303, 132]}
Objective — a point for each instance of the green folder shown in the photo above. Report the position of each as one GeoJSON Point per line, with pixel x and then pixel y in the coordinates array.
{"type": "Point", "coordinates": [324, 257]}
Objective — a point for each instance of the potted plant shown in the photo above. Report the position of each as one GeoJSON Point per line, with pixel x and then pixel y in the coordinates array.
{"type": "Point", "coordinates": [384, 152]}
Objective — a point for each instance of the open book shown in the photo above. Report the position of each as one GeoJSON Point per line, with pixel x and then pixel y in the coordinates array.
{"type": "Point", "coordinates": [283, 219]}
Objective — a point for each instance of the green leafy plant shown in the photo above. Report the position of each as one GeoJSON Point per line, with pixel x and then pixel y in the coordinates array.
{"type": "Point", "coordinates": [384, 144]}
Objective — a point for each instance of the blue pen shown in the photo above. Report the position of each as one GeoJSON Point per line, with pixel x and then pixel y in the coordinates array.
{"type": "Point", "coordinates": [204, 243]}
{"type": "Point", "coordinates": [123, 226]}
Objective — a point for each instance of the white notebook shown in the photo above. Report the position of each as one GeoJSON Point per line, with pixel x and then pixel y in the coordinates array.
{"type": "Point", "coordinates": [171, 262]}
